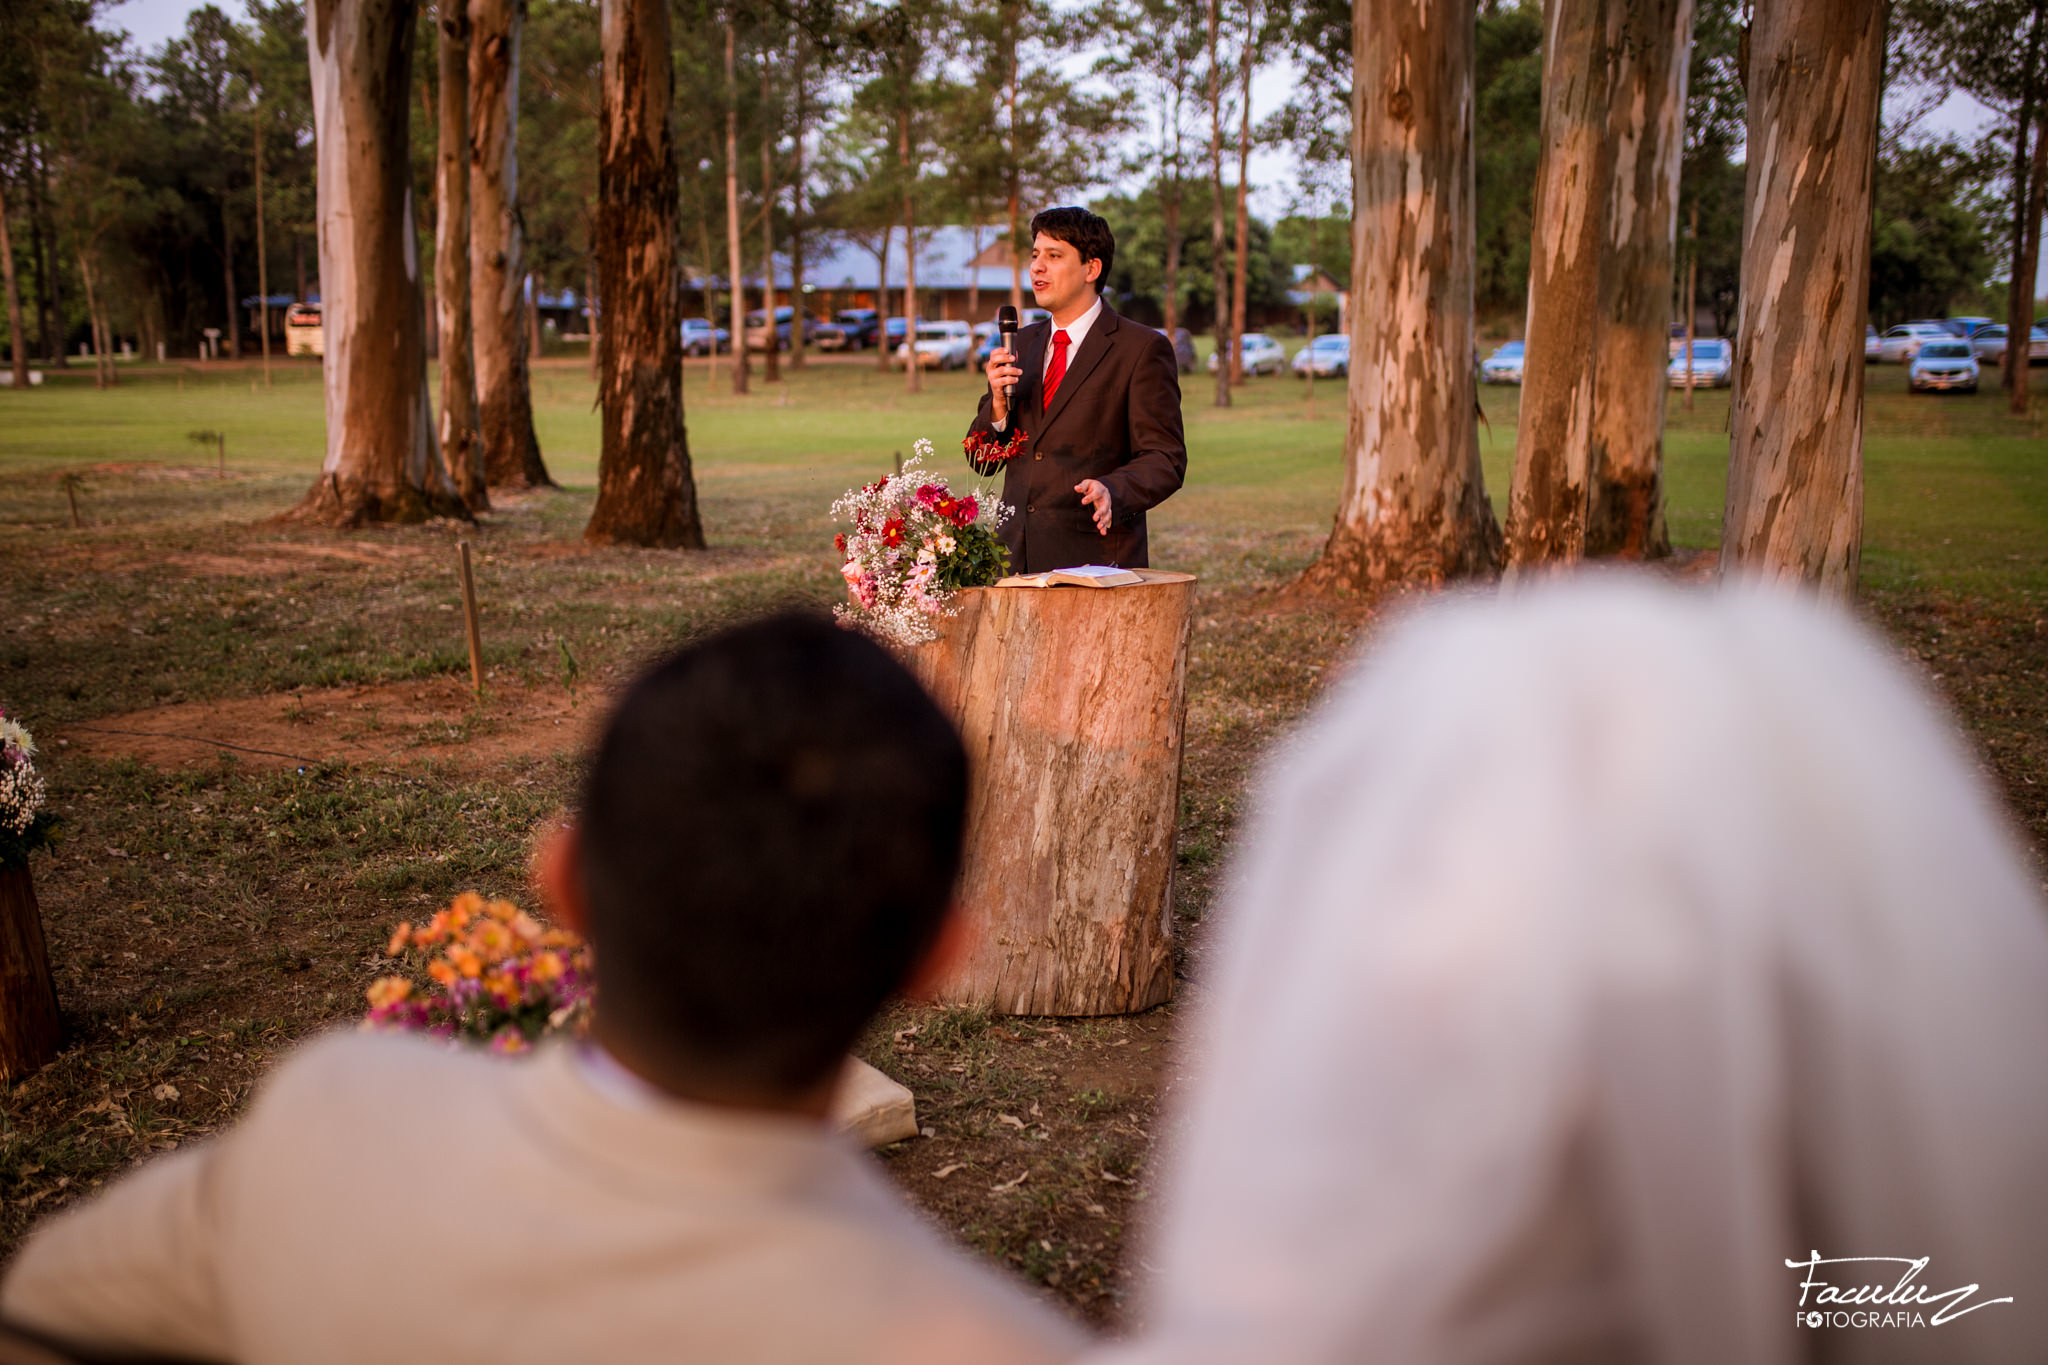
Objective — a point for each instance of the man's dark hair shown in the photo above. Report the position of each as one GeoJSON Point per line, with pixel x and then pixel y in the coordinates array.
{"type": "Point", "coordinates": [1086, 232]}
{"type": "Point", "coordinates": [770, 834]}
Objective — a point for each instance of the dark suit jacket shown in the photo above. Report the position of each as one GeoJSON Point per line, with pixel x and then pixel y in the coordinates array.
{"type": "Point", "coordinates": [1116, 419]}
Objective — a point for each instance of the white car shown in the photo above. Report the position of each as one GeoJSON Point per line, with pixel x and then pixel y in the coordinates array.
{"type": "Point", "coordinates": [940, 346]}
{"type": "Point", "coordinates": [1988, 345]}
{"type": "Point", "coordinates": [1945, 364]}
{"type": "Point", "coordinates": [1873, 345]}
{"type": "Point", "coordinates": [1713, 364]}
{"type": "Point", "coordinates": [1901, 343]}
{"type": "Point", "coordinates": [1329, 355]}
{"type": "Point", "coordinates": [1262, 354]}
{"type": "Point", "coordinates": [1504, 366]}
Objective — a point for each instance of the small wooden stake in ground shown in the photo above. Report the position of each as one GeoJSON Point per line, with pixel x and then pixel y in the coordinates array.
{"type": "Point", "coordinates": [29, 1027]}
{"type": "Point", "coordinates": [476, 640]}
{"type": "Point", "coordinates": [71, 493]}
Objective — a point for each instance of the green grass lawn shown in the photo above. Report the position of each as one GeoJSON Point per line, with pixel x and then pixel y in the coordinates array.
{"type": "Point", "coordinates": [201, 918]}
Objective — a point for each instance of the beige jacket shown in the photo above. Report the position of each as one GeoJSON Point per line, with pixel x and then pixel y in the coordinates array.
{"type": "Point", "coordinates": [389, 1199]}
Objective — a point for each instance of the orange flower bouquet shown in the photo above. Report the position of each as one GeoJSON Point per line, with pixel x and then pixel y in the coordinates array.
{"type": "Point", "coordinates": [498, 975]}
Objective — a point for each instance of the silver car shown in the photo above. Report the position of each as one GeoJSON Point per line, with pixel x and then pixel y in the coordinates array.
{"type": "Point", "coordinates": [1988, 344]}
{"type": "Point", "coordinates": [1903, 342]}
{"type": "Point", "coordinates": [1945, 364]}
{"type": "Point", "coordinates": [1504, 366]}
{"type": "Point", "coordinates": [1262, 354]}
{"type": "Point", "coordinates": [1713, 365]}
{"type": "Point", "coordinates": [1329, 355]}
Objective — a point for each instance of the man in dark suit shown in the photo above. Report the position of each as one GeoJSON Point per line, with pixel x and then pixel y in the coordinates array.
{"type": "Point", "coordinates": [1091, 437]}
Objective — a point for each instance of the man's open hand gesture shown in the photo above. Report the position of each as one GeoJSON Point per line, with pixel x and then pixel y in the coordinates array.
{"type": "Point", "coordinates": [1094, 495]}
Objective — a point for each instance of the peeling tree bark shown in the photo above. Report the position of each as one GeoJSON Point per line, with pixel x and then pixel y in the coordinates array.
{"type": "Point", "coordinates": [381, 463]}
{"type": "Point", "coordinates": [1795, 469]}
{"type": "Point", "coordinates": [1414, 508]}
{"type": "Point", "coordinates": [1549, 495]}
{"type": "Point", "coordinates": [646, 494]}
{"type": "Point", "coordinates": [511, 451]}
{"type": "Point", "coordinates": [1649, 45]}
{"type": "Point", "coordinates": [460, 447]}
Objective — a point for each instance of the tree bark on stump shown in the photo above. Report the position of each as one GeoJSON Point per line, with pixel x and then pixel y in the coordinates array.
{"type": "Point", "coordinates": [1071, 702]}
{"type": "Point", "coordinates": [646, 494]}
{"type": "Point", "coordinates": [381, 463]}
{"type": "Point", "coordinates": [1551, 489]}
{"type": "Point", "coordinates": [1650, 47]}
{"type": "Point", "coordinates": [460, 442]}
{"type": "Point", "coordinates": [30, 1030]}
{"type": "Point", "coordinates": [1414, 507]}
{"type": "Point", "coordinates": [1795, 467]}
{"type": "Point", "coordinates": [511, 450]}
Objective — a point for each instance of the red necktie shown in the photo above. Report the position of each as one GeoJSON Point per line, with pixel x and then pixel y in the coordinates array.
{"type": "Point", "coordinates": [1056, 371]}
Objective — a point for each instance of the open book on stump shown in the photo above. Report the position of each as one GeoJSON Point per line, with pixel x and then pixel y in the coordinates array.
{"type": "Point", "coordinates": [1092, 576]}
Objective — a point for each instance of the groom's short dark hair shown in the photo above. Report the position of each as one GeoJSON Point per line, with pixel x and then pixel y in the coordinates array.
{"type": "Point", "coordinates": [770, 833]}
{"type": "Point", "coordinates": [1088, 233]}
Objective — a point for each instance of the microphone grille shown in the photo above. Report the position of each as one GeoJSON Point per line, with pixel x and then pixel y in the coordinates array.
{"type": "Point", "coordinates": [1006, 318]}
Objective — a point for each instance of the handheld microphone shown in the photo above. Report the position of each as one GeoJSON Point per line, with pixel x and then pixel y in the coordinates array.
{"type": "Point", "coordinates": [1006, 328]}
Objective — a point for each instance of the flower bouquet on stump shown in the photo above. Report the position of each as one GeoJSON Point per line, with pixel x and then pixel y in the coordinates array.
{"type": "Point", "coordinates": [914, 544]}
{"type": "Point", "coordinates": [29, 1027]}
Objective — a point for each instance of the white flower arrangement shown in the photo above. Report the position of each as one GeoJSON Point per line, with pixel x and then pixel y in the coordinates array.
{"type": "Point", "coordinates": [915, 543]}
{"type": "Point", "coordinates": [24, 825]}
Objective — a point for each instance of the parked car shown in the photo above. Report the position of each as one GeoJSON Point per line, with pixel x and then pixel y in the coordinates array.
{"type": "Point", "coordinates": [1183, 349]}
{"type": "Point", "coordinates": [303, 334]}
{"type": "Point", "coordinates": [851, 329]}
{"type": "Point", "coordinates": [786, 317]}
{"type": "Point", "coordinates": [892, 334]}
{"type": "Point", "coordinates": [1988, 345]}
{"type": "Point", "coordinates": [1713, 364]}
{"type": "Point", "coordinates": [985, 341]}
{"type": "Point", "coordinates": [1872, 345]}
{"type": "Point", "coordinates": [1504, 366]}
{"type": "Point", "coordinates": [1963, 327]}
{"type": "Point", "coordinates": [1943, 365]}
{"type": "Point", "coordinates": [700, 336]}
{"type": "Point", "coordinates": [941, 346]}
{"type": "Point", "coordinates": [1328, 355]}
{"type": "Point", "coordinates": [1901, 342]}
{"type": "Point", "coordinates": [1262, 354]}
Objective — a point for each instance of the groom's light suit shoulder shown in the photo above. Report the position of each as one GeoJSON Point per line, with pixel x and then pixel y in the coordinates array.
{"type": "Point", "coordinates": [387, 1198]}
{"type": "Point", "coordinates": [1115, 418]}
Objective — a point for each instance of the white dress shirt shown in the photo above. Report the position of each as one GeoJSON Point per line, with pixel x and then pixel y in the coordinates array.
{"type": "Point", "coordinates": [1077, 332]}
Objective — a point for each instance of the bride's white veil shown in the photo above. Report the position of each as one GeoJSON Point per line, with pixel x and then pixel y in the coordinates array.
{"type": "Point", "coordinates": [1596, 950]}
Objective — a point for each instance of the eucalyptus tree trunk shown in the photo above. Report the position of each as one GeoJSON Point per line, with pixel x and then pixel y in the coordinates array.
{"type": "Point", "coordinates": [233, 339]}
{"type": "Point", "coordinates": [1795, 467]}
{"type": "Point", "coordinates": [1018, 250]}
{"type": "Point", "coordinates": [1549, 494]}
{"type": "Point", "coordinates": [882, 302]}
{"type": "Point", "coordinates": [2029, 265]}
{"type": "Point", "coordinates": [1244, 151]}
{"type": "Point", "coordinates": [1649, 46]}
{"type": "Point", "coordinates": [645, 492]}
{"type": "Point", "coordinates": [381, 464]}
{"type": "Point", "coordinates": [1218, 280]}
{"type": "Point", "coordinates": [732, 216]}
{"type": "Point", "coordinates": [17, 327]}
{"type": "Point", "coordinates": [1414, 508]}
{"type": "Point", "coordinates": [913, 371]}
{"type": "Point", "coordinates": [2019, 291]}
{"type": "Point", "coordinates": [461, 451]}
{"type": "Point", "coordinates": [799, 307]}
{"type": "Point", "coordinates": [771, 368]}
{"type": "Point", "coordinates": [511, 450]}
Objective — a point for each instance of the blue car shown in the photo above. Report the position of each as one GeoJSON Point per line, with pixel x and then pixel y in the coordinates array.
{"type": "Point", "coordinates": [1504, 366]}
{"type": "Point", "coordinates": [701, 338]}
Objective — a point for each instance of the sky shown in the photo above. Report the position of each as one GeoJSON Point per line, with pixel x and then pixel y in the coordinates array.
{"type": "Point", "coordinates": [150, 22]}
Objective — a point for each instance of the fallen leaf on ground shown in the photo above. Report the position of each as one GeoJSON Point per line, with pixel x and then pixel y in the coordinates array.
{"type": "Point", "coordinates": [1024, 1175]}
{"type": "Point", "coordinates": [1010, 1119]}
{"type": "Point", "coordinates": [944, 1171]}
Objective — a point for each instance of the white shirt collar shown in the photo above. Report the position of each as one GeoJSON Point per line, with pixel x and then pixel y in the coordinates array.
{"type": "Point", "coordinates": [1077, 332]}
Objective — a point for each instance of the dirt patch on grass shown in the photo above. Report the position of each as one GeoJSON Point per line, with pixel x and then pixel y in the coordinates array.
{"type": "Point", "coordinates": [395, 723]}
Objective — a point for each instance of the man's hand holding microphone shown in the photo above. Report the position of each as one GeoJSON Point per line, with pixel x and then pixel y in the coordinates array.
{"type": "Point", "coordinates": [1003, 373]}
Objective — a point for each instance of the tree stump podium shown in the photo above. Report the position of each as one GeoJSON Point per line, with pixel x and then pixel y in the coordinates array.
{"type": "Point", "coordinates": [1071, 702]}
{"type": "Point", "coordinates": [29, 1028]}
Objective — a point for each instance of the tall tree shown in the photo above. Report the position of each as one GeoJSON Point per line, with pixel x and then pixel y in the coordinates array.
{"type": "Point", "coordinates": [497, 270]}
{"type": "Point", "coordinates": [381, 462]}
{"type": "Point", "coordinates": [1795, 467]}
{"type": "Point", "coordinates": [1156, 46]}
{"type": "Point", "coordinates": [1414, 507]}
{"type": "Point", "coordinates": [1649, 50]}
{"type": "Point", "coordinates": [1552, 484]}
{"type": "Point", "coordinates": [771, 363]}
{"type": "Point", "coordinates": [1224, 325]}
{"type": "Point", "coordinates": [646, 494]}
{"type": "Point", "coordinates": [461, 448]}
{"type": "Point", "coordinates": [17, 329]}
{"type": "Point", "coordinates": [735, 265]}
{"type": "Point", "coordinates": [1244, 153]}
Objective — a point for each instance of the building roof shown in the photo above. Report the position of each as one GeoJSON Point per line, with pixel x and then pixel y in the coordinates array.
{"type": "Point", "coordinates": [945, 260]}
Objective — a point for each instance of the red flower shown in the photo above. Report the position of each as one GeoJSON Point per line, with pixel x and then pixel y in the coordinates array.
{"type": "Point", "coordinates": [892, 532]}
{"type": "Point", "coordinates": [839, 543]}
{"type": "Point", "coordinates": [965, 511]}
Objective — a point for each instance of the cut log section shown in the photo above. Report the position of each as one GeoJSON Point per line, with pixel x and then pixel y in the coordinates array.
{"type": "Point", "coordinates": [29, 1028]}
{"type": "Point", "coordinates": [1071, 702]}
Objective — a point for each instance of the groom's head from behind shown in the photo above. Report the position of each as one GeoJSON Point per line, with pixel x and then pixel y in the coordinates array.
{"type": "Point", "coordinates": [766, 851]}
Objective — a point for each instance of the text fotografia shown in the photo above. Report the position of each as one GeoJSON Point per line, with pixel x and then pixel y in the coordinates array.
{"type": "Point", "coordinates": [1823, 1303]}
